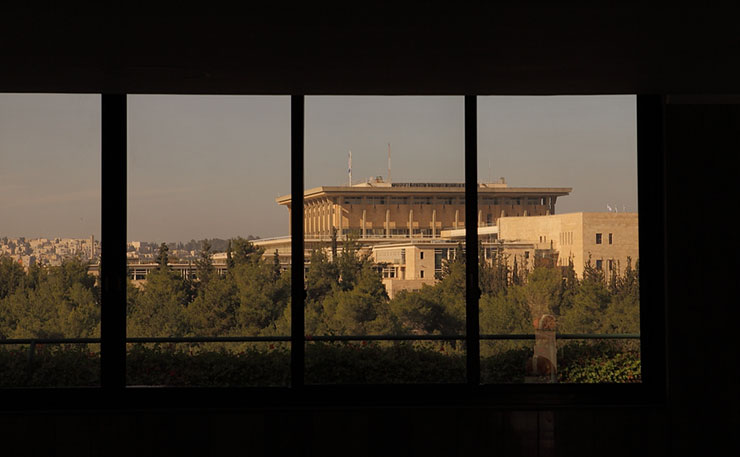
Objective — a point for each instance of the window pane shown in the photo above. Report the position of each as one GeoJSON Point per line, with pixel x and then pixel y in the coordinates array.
{"type": "Point", "coordinates": [384, 202]}
{"type": "Point", "coordinates": [556, 174]}
{"type": "Point", "coordinates": [49, 239]}
{"type": "Point", "coordinates": [208, 250]}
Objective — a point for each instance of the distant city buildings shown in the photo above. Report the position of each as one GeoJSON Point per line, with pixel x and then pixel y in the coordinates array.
{"type": "Point", "coordinates": [49, 251]}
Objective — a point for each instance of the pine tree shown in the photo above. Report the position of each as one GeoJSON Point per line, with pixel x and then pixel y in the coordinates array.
{"type": "Point", "coordinates": [162, 256]}
{"type": "Point", "coordinates": [229, 260]}
{"type": "Point", "coordinates": [333, 242]}
{"type": "Point", "coordinates": [276, 265]}
{"type": "Point", "coordinates": [589, 303]}
{"type": "Point", "coordinates": [204, 265]}
{"type": "Point", "coordinates": [244, 251]}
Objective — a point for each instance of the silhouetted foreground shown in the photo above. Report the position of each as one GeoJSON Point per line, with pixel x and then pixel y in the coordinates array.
{"type": "Point", "coordinates": [326, 363]}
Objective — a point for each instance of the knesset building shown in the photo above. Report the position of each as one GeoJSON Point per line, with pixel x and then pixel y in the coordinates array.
{"type": "Point", "coordinates": [382, 210]}
{"type": "Point", "coordinates": [411, 228]}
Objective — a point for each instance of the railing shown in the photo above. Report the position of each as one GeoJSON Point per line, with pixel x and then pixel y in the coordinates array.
{"type": "Point", "coordinates": [33, 342]}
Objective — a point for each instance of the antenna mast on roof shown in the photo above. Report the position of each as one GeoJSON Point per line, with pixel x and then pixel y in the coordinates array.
{"type": "Point", "coordinates": [349, 168]}
{"type": "Point", "coordinates": [389, 163]}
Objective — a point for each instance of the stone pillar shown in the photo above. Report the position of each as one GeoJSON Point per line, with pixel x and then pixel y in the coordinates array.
{"type": "Point", "coordinates": [457, 217]}
{"type": "Point", "coordinates": [411, 222]}
{"type": "Point", "coordinates": [322, 217]}
{"type": "Point", "coordinates": [480, 215]}
{"type": "Point", "coordinates": [316, 221]}
{"type": "Point", "coordinates": [307, 218]}
{"type": "Point", "coordinates": [313, 219]}
{"type": "Point", "coordinates": [387, 223]}
{"type": "Point", "coordinates": [434, 223]}
{"type": "Point", "coordinates": [340, 223]}
{"type": "Point", "coordinates": [543, 367]}
{"type": "Point", "coordinates": [309, 213]}
{"type": "Point", "coordinates": [328, 210]}
{"type": "Point", "coordinates": [364, 226]}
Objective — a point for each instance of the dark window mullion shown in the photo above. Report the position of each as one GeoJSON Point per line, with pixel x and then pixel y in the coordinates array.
{"type": "Point", "coordinates": [113, 242]}
{"type": "Point", "coordinates": [651, 179]}
{"type": "Point", "coordinates": [472, 330]}
{"type": "Point", "coordinates": [298, 295]}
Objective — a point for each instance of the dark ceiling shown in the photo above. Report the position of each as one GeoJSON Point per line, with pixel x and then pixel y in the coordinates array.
{"type": "Point", "coordinates": [440, 48]}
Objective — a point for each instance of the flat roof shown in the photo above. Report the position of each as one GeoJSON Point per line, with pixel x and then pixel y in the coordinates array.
{"type": "Point", "coordinates": [425, 190]}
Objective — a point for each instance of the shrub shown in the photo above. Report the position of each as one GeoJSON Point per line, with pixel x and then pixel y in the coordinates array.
{"type": "Point", "coordinates": [326, 363]}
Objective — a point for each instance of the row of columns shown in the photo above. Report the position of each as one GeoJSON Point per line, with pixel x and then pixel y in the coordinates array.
{"type": "Point", "coordinates": [320, 217]}
{"type": "Point", "coordinates": [323, 214]}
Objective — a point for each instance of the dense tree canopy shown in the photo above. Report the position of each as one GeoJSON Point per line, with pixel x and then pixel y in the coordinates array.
{"type": "Point", "coordinates": [344, 295]}
{"type": "Point", "coordinates": [48, 302]}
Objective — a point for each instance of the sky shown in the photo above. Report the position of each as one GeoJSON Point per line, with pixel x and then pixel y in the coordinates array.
{"type": "Point", "coordinates": [212, 166]}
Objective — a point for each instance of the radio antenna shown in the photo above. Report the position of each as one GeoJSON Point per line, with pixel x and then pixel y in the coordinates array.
{"type": "Point", "coordinates": [389, 163]}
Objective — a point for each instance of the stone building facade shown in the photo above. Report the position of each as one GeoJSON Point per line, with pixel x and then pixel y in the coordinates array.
{"type": "Point", "coordinates": [380, 210]}
{"type": "Point", "coordinates": [607, 239]}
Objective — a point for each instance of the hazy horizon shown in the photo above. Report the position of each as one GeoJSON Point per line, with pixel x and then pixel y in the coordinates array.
{"type": "Point", "coordinates": [212, 166]}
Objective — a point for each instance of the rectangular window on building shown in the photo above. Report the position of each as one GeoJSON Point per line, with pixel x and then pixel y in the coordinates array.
{"type": "Point", "coordinates": [599, 265]}
{"type": "Point", "coordinates": [421, 274]}
{"type": "Point", "coordinates": [611, 239]}
{"type": "Point", "coordinates": [421, 255]}
{"type": "Point", "coordinates": [352, 200]}
{"type": "Point", "coordinates": [598, 238]}
{"type": "Point", "coordinates": [423, 200]}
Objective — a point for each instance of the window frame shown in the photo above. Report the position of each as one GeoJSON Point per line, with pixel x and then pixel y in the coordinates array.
{"type": "Point", "coordinates": [113, 394]}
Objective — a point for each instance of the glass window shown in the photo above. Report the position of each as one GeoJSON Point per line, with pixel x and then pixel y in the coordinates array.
{"type": "Point", "coordinates": [359, 318]}
{"type": "Point", "coordinates": [208, 202]}
{"type": "Point", "coordinates": [532, 142]}
{"type": "Point", "coordinates": [50, 201]}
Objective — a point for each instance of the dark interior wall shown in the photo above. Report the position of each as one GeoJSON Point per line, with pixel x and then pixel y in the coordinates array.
{"type": "Point", "coordinates": [437, 49]}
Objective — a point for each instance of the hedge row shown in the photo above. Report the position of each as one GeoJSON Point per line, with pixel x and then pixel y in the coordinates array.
{"type": "Point", "coordinates": [326, 363]}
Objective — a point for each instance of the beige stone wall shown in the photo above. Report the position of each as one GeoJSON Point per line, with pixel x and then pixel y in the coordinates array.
{"type": "Point", "coordinates": [573, 235]}
{"type": "Point", "coordinates": [623, 228]}
{"type": "Point", "coordinates": [415, 264]}
{"type": "Point", "coordinates": [393, 286]}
